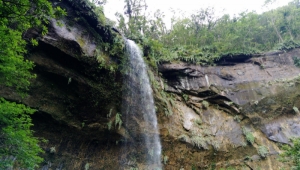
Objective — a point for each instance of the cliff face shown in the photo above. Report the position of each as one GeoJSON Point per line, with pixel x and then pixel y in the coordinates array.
{"type": "Point", "coordinates": [223, 106]}
{"type": "Point", "coordinates": [208, 116]}
{"type": "Point", "coordinates": [77, 86]}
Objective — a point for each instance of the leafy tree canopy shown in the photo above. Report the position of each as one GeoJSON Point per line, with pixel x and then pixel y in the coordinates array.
{"type": "Point", "coordinates": [204, 37]}
{"type": "Point", "coordinates": [18, 147]}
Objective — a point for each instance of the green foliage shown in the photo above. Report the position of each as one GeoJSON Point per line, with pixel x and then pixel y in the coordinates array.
{"type": "Point", "coordinates": [296, 61]}
{"type": "Point", "coordinates": [237, 118]}
{"type": "Point", "coordinates": [198, 141]}
{"type": "Point", "coordinates": [205, 104]}
{"type": "Point", "coordinates": [93, 7]}
{"type": "Point", "coordinates": [249, 136]}
{"type": "Point", "coordinates": [14, 70]}
{"type": "Point", "coordinates": [262, 151]}
{"type": "Point", "coordinates": [15, 18]}
{"type": "Point", "coordinates": [287, 45]}
{"type": "Point", "coordinates": [87, 166]}
{"type": "Point", "coordinates": [52, 150]}
{"type": "Point", "coordinates": [118, 120]}
{"type": "Point", "coordinates": [185, 97]}
{"type": "Point", "coordinates": [216, 144]}
{"type": "Point", "coordinates": [203, 38]}
{"type": "Point", "coordinates": [291, 153]}
{"type": "Point", "coordinates": [198, 121]}
{"type": "Point", "coordinates": [132, 168]}
{"type": "Point", "coordinates": [109, 124]}
{"type": "Point", "coordinates": [17, 146]}
{"type": "Point", "coordinates": [296, 109]}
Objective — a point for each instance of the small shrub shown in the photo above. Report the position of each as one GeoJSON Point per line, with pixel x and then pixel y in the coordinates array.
{"type": "Point", "coordinates": [87, 166]}
{"type": "Point", "coordinates": [52, 149]}
{"type": "Point", "coordinates": [168, 112]}
{"type": "Point", "coordinates": [216, 144]}
{"type": "Point", "coordinates": [109, 114]}
{"type": "Point", "coordinates": [296, 109]}
{"type": "Point", "coordinates": [205, 104]}
{"type": "Point", "coordinates": [237, 118]}
{"type": "Point", "coordinates": [185, 97]}
{"type": "Point", "coordinates": [249, 136]}
{"type": "Point", "coordinates": [263, 151]}
{"type": "Point", "coordinates": [198, 121]}
{"type": "Point", "coordinates": [118, 121]}
{"type": "Point", "coordinates": [199, 142]}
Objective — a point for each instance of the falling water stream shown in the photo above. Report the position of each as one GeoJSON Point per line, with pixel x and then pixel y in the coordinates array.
{"type": "Point", "coordinates": [138, 111]}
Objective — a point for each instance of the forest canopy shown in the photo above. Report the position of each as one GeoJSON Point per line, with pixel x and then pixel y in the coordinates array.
{"type": "Point", "coordinates": [204, 37]}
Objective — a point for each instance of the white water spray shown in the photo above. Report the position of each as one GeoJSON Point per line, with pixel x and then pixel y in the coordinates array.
{"type": "Point", "coordinates": [138, 111]}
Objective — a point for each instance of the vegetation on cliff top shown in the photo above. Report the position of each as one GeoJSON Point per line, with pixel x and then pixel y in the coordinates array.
{"type": "Point", "coordinates": [203, 37]}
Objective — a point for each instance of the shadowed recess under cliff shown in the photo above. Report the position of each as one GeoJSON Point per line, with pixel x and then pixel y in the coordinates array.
{"type": "Point", "coordinates": [142, 144]}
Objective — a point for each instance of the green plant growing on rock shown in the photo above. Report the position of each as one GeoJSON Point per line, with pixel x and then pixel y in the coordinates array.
{"type": "Point", "coordinates": [166, 158]}
{"type": "Point", "coordinates": [185, 97]}
{"type": "Point", "coordinates": [237, 118]}
{"type": "Point", "coordinates": [52, 150]}
{"type": "Point", "coordinates": [109, 125]}
{"type": "Point", "coordinates": [291, 153]}
{"type": "Point", "coordinates": [109, 114]}
{"type": "Point", "coordinates": [199, 142]}
{"type": "Point", "coordinates": [296, 110]}
{"type": "Point", "coordinates": [183, 138]}
{"type": "Point", "coordinates": [198, 122]}
{"type": "Point", "coordinates": [205, 104]}
{"type": "Point", "coordinates": [118, 120]}
{"type": "Point", "coordinates": [262, 151]}
{"type": "Point", "coordinates": [296, 61]}
{"type": "Point", "coordinates": [167, 112]}
{"type": "Point", "coordinates": [134, 168]}
{"type": "Point", "coordinates": [215, 144]}
{"type": "Point", "coordinates": [172, 100]}
{"type": "Point", "coordinates": [249, 136]}
{"type": "Point", "coordinates": [87, 166]}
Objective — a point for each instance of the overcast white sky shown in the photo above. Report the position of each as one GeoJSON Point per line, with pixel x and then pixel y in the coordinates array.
{"type": "Point", "coordinates": [227, 6]}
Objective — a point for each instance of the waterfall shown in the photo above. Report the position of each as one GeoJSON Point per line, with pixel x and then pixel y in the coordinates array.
{"type": "Point", "coordinates": [138, 112]}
